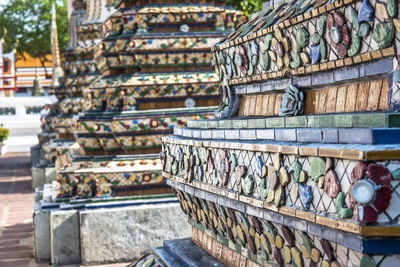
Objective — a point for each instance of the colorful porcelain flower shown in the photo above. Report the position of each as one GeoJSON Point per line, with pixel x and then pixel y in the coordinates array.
{"type": "Point", "coordinates": [338, 33]}
{"type": "Point", "coordinates": [370, 192]}
{"type": "Point", "coordinates": [146, 177]}
{"type": "Point", "coordinates": [292, 102]}
{"type": "Point", "coordinates": [154, 123]}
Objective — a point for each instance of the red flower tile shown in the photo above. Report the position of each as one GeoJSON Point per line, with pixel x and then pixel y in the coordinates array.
{"type": "Point", "coordinates": [379, 174]}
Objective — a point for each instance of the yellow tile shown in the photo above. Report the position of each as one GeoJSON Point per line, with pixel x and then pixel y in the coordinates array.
{"type": "Point", "coordinates": [308, 216]}
{"type": "Point", "coordinates": [287, 211]}
{"type": "Point", "coordinates": [380, 231]}
{"type": "Point", "coordinates": [366, 57]}
{"type": "Point", "coordinates": [339, 63]}
{"type": "Point", "coordinates": [289, 150]}
{"type": "Point", "coordinates": [349, 227]}
{"type": "Point", "coordinates": [348, 61]}
{"type": "Point", "coordinates": [351, 154]}
{"type": "Point", "coordinates": [326, 221]}
{"type": "Point", "coordinates": [331, 65]}
{"type": "Point", "coordinates": [330, 7]}
{"type": "Point", "coordinates": [329, 152]}
{"type": "Point", "coordinates": [382, 155]}
{"type": "Point", "coordinates": [388, 52]}
{"type": "Point", "coordinates": [315, 67]}
{"type": "Point", "coordinates": [376, 54]}
{"type": "Point", "coordinates": [308, 151]}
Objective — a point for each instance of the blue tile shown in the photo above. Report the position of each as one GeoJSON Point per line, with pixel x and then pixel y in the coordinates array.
{"type": "Point", "coordinates": [285, 134]}
{"type": "Point", "coordinates": [355, 136]}
{"type": "Point", "coordinates": [386, 136]}
{"type": "Point", "coordinates": [379, 67]}
{"type": "Point", "coordinates": [322, 78]}
{"type": "Point", "coordinates": [309, 135]}
{"type": "Point", "coordinates": [330, 136]}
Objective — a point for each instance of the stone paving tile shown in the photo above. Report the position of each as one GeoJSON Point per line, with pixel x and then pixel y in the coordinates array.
{"type": "Point", "coordinates": [16, 198]}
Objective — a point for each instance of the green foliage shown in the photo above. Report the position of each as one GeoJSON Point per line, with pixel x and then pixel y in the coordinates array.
{"type": "Point", "coordinates": [26, 27]}
{"type": "Point", "coordinates": [246, 6]}
{"type": "Point", "coordinates": [4, 132]}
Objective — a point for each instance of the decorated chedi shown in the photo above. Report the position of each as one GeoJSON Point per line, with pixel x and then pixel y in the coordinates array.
{"type": "Point", "coordinates": [79, 65]}
{"type": "Point", "coordinates": [302, 167]}
{"type": "Point", "coordinates": [156, 73]}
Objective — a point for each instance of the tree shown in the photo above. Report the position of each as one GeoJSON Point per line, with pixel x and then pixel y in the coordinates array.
{"type": "Point", "coordinates": [26, 27]}
{"type": "Point", "coordinates": [246, 6]}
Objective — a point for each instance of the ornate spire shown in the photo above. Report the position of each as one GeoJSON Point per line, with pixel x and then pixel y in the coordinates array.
{"type": "Point", "coordinates": [55, 51]}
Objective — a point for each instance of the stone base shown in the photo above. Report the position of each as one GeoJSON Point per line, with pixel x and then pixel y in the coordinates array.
{"type": "Point", "coordinates": [104, 232]}
{"type": "Point", "coordinates": [42, 176]}
{"type": "Point", "coordinates": [123, 234]}
{"type": "Point", "coordinates": [41, 222]}
{"type": "Point", "coordinates": [50, 175]}
{"type": "Point", "coordinates": [37, 177]}
{"type": "Point", "coordinates": [64, 237]}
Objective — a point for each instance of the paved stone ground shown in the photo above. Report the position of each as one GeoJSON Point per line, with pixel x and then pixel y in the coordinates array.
{"type": "Point", "coordinates": [16, 207]}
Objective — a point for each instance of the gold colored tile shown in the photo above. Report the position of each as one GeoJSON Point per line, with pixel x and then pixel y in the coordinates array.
{"type": "Point", "coordinates": [289, 150]}
{"type": "Point", "coordinates": [258, 203]}
{"type": "Point", "coordinates": [246, 199]}
{"type": "Point", "coordinates": [308, 151]}
{"type": "Point", "coordinates": [348, 61]}
{"type": "Point", "coordinates": [366, 57]}
{"type": "Point", "coordinates": [287, 211]}
{"type": "Point", "coordinates": [382, 155]}
{"type": "Point", "coordinates": [305, 215]}
{"type": "Point", "coordinates": [339, 63]}
{"type": "Point", "coordinates": [380, 230]}
{"type": "Point", "coordinates": [388, 52]}
{"type": "Point", "coordinates": [307, 15]}
{"type": "Point", "coordinates": [314, 12]}
{"type": "Point", "coordinates": [326, 221]}
{"type": "Point", "coordinates": [322, 9]}
{"type": "Point", "coordinates": [287, 23]}
{"type": "Point", "coordinates": [357, 59]}
{"type": "Point", "coordinates": [331, 65]}
{"type": "Point", "coordinates": [330, 7]}
{"type": "Point", "coordinates": [349, 227]}
{"type": "Point", "coordinates": [300, 18]}
{"type": "Point", "coordinates": [270, 206]}
{"type": "Point", "coordinates": [272, 148]}
{"type": "Point", "coordinates": [309, 69]}
{"type": "Point", "coordinates": [329, 152]}
{"type": "Point", "coordinates": [351, 154]}
{"type": "Point", "coordinates": [315, 67]}
{"type": "Point", "coordinates": [376, 54]}
{"type": "Point", "coordinates": [323, 66]}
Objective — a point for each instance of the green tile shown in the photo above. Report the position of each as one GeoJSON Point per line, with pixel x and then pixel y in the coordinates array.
{"type": "Point", "coordinates": [256, 123]}
{"type": "Point", "coordinates": [342, 121]}
{"type": "Point", "coordinates": [212, 124]}
{"type": "Point", "coordinates": [239, 124]}
{"type": "Point", "coordinates": [369, 120]}
{"type": "Point", "coordinates": [225, 124]}
{"type": "Point", "coordinates": [320, 121]}
{"type": "Point", "coordinates": [276, 122]}
{"type": "Point", "coordinates": [300, 121]}
{"type": "Point", "coordinates": [393, 120]}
